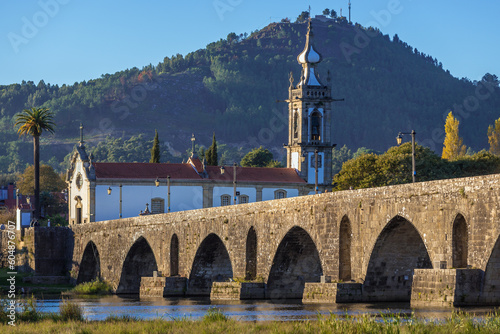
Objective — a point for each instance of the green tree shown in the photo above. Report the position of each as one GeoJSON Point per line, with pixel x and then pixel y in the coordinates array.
{"type": "Point", "coordinates": [453, 144]}
{"type": "Point", "coordinates": [274, 164]}
{"type": "Point", "coordinates": [391, 167]}
{"type": "Point", "coordinates": [326, 12]}
{"type": "Point", "coordinates": [258, 157]}
{"type": "Point", "coordinates": [155, 150]}
{"type": "Point", "coordinates": [333, 14]}
{"type": "Point", "coordinates": [494, 137]}
{"type": "Point", "coordinates": [33, 122]}
{"type": "Point", "coordinates": [50, 181]}
{"type": "Point", "coordinates": [358, 173]}
{"type": "Point", "coordinates": [339, 156]}
{"type": "Point", "coordinates": [211, 153]}
{"type": "Point", "coordinates": [302, 17]}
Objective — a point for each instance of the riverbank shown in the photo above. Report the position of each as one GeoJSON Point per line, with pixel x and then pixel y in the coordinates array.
{"type": "Point", "coordinates": [217, 322]}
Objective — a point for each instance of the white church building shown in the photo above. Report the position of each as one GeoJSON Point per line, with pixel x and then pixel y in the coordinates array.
{"type": "Point", "coordinates": [104, 191]}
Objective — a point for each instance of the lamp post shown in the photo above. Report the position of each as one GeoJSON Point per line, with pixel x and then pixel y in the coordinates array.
{"type": "Point", "coordinates": [157, 183]}
{"type": "Point", "coordinates": [316, 171]}
{"type": "Point", "coordinates": [234, 183]}
{"type": "Point", "coordinates": [109, 193]}
{"type": "Point", "coordinates": [399, 140]}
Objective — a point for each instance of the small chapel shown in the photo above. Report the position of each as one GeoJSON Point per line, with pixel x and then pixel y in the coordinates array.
{"type": "Point", "coordinates": [100, 191]}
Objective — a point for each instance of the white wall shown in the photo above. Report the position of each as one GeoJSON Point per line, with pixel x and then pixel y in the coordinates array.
{"type": "Point", "coordinates": [311, 172]}
{"type": "Point", "coordinates": [219, 191]}
{"type": "Point", "coordinates": [134, 199]}
{"type": "Point", "coordinates": [268, 193]}
{"type": "Point", "coordinates": [295, 160]}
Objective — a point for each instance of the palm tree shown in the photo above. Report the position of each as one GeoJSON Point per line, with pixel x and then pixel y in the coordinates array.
{"type": "Point", "coordinates": [33, 121]}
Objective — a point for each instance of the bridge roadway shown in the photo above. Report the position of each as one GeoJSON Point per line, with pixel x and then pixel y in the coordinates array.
{"type": "Point", "coordinates": [375, 236]}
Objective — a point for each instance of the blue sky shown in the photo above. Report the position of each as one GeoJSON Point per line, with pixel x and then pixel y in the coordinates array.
{"type": "Point", "coordinates": [65, 41]}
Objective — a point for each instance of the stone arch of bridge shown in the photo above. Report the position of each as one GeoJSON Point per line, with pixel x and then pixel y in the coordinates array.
{"type": "Point", "coordinates": [397, 251]}
{"type": "Point", "coordinates": [211, 263]}
{"type": "Point", "coordinates": [90, 264]}
{"type": "Point", "coordinates": [296, 261]}
{"type": "Point", "coordinates": [459, 241]}
{"type": "Point", "coordinates": [491, 286]}
{"type": "Point", "coordinates": [140, 261]}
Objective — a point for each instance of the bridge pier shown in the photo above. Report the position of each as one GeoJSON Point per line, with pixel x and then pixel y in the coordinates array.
{"type": "Point", "coordinates": [237, 291]}
{"type": "Point", "coordinates": [447, 287]}
{"type": "Point", "coordinates": [163, 286]}
{"type": "Point", "coordinates": [331, 293]}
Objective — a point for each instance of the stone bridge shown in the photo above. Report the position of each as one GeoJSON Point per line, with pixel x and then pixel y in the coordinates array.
{"type": "Point", "coordinates": [378, 238]}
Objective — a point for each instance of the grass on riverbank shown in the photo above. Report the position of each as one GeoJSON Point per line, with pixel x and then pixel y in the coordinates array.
{"type": "Point", "coordinates": [70, 320]}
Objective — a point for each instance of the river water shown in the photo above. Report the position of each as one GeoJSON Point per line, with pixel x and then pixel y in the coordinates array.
{"type": "Point", "coordinates": [195, 308]}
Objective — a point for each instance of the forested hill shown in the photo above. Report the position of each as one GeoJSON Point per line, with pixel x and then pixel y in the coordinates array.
{"type": "Point", "coordinates": [231, 87]}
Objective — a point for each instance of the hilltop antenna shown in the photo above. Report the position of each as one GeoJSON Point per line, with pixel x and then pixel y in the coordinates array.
{"type": "Point", "coordinates": [340, 12]}
{"type": "Point", "coordinates": [309, 11]}
{"type": "Point", "coordinates": [349, 11]}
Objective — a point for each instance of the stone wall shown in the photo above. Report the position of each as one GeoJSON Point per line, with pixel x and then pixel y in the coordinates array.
{"type": "Point", "coordinates": [50, 250]}
{"type": "Point", "coordinates": [4, 238]}
{"type": "Point", "coordinates": [394, 230]}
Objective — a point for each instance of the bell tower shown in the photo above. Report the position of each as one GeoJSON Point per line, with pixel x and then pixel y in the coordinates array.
{"type": "Point", "coordinates": [309, 120]}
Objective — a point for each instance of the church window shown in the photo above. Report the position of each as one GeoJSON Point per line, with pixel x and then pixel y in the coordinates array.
{"type": "Point", "coordinates": [79, 181]}
{"type": "Point", "coordinates": [225, 200]}
{"type": "Point", "coordinates": [315, 126]}
{"type": "Point", "coordinates": [295, 125]}
{"type": "Point", "coordinates": [78, 210]}
{"type": "Point", "coordinates": [280, 193]}
{"type": "Point", "coordinates": [157, 205]}
{"type": "Point", "coordinates": [244, 199]}
{"type": "Point", "coordinates": [313, 159]}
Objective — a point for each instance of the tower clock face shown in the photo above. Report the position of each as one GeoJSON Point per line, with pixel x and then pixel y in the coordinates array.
{"type": "Point", "coordinates": [79, 181]}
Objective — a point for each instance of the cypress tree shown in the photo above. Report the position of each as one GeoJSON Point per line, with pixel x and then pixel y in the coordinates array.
{"type": "Point", "coordinates": [155, 150]}
{"type": "Point", "coordinates": [453, 144]}
{"type": "Point", "coordinates": [211, 154]}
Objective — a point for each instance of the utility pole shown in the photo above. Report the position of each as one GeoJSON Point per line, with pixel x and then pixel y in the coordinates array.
{"type": "Point", "coordinates": [234, 183]}
{"type": "Point", "coordinates": [349, 11]}
{"type": "Point", "coordinates": [316, 171]}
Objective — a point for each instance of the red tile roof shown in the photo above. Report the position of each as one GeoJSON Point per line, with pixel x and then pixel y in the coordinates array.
{"type": "Point", "coordinates": [139, 170]}
{"type": "Point", "coordinates": [255, 174]}
{"type": "Point", "coordinates": [124, 170]}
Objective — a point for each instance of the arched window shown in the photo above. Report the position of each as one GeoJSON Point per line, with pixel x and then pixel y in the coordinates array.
{"type": "Point", "coordinates": [78, 210]}
{"type": "Point", "coordinates": [280, 193]}
{"type": "Point", "coordinates": [244, 199]}
{"type": "Point", "coordinates": [316, 126]}
{"type": "Point", "coordinates": [295, 125]}
{"type": "Point", "coordinates": [225, 200]}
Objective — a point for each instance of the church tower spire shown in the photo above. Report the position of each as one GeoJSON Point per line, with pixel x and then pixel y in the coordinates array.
{"type": "Point", "coordinates": [310, 109]}
{"type": "Point", "coordinates": [308, 58]}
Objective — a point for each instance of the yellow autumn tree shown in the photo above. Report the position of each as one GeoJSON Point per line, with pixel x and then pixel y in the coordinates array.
{"type": "Point", "coordinates": [453, 144]}
{"type": "Point", "coordinates": [494, 137]}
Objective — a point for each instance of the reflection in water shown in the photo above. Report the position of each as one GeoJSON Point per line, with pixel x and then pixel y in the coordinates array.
{"type": "Point", "coordinates": [263, 310]}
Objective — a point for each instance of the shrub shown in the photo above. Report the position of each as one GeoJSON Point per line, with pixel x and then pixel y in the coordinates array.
{"type": "Point", "coordinates": [96, 287]}
{"type": "Point", "coordinates": [215, 315]}
{"type": "Point", "coordinates": [70, 311]}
